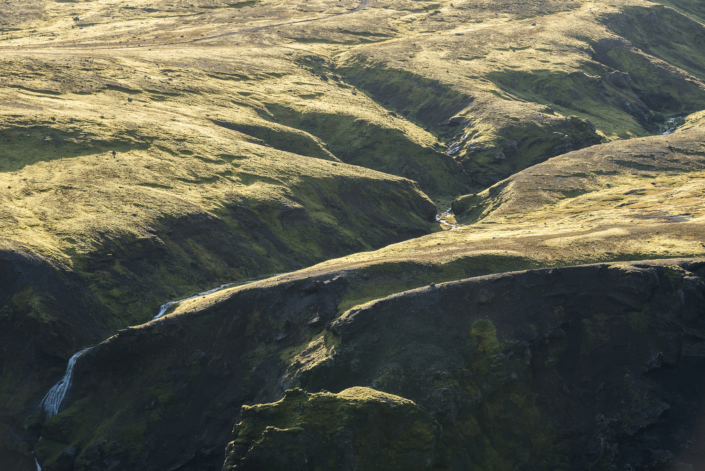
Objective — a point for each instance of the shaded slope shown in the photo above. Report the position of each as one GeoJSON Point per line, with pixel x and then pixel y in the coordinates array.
{"type": "Point", "coordinates": [228, 164]}
{"type": "Point", "coordinates": [492, 359]}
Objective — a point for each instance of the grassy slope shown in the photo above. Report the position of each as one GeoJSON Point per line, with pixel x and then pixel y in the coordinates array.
{"type": "Point", "coordinates": [187, 201]}
{"type": "Point", "coordinates": [229, 151]}
{"type": "Point", "coordinates": [627, 200]}
{"type": "Point", "coordinates": [517, 80]}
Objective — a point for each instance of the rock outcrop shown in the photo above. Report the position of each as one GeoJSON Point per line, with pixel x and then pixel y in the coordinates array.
{"type": "Point", "coordinates": [588, 367]}
{"type": "Point", "coordinates": [358, 428]}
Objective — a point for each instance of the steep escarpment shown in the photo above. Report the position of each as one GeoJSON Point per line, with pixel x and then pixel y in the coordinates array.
{"type": "Point", "coordinates": [46, 311]}
{"type": "Point", "coordinates": [150, 151]}
{"type": "Point", "coordinates": [544, 368]}
{"type": "Point", "coordinates": [567, 367]}
{"type": "Point", "coordinates": [125, 215]}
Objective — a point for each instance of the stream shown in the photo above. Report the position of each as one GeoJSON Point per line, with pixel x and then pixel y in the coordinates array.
{"type": "Point", "coordinates": [165, 307]}
{"type": "Point", "coordinates": [55, 397]}
{"type": "Point", "coordinates": [672, 124]}
{"type": "Point", "coordinates": [441, 218]}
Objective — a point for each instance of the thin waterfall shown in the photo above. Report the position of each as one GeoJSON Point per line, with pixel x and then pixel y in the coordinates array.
{"type": "Point", "coordinates": [165, 307]}
{"type": "Point", "coordinates": [52, 401]}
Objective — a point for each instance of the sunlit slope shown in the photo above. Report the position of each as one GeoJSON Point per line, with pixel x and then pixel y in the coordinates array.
{"type": "Point", "coordinates": [276, 97]}
{"type": "Point", "coordinates": [523, 88]}
{"type": "Point", "coordinates": [657, 176]}
{"type": "Point", "coordinates": [525, 81]}
{"type": "Point", "coordinates": [633, 200]}
{"type": "Point", "coordinates": [118, 194]}
{"type": "Point", "coordinates": [149, 150]}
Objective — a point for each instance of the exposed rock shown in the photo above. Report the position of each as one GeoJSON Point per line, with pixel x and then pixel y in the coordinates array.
{"type": "Point", "coordinates": [359, 428]}
{"type": "Point", "coordinates": [457, 121]}
{"type": "Point", "coordinates": [493, 359]}
{"type": "Point", "coordinates": [510, 148]}
{"type": "Point", "coordinates": [565, 144]}
{"type": "Point", "coordinates": [619, 79]}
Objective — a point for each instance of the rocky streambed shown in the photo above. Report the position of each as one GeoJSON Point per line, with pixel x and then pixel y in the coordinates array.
{"type": "Point", "coordinates": [447, 220]}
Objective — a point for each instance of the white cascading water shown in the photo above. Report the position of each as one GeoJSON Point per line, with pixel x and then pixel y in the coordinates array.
{"type": "Point", "coordinates": [52, 401]}
{"type": "Point", "coordinates": [165, 307]}
{"type": "Point", "coordinates": [441, 219]}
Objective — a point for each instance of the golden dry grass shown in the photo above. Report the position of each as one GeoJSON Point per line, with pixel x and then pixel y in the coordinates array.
{"type": "Point", "coordinates": [210, 105]}
{"type": "Point", "coordinates": [256, 137]}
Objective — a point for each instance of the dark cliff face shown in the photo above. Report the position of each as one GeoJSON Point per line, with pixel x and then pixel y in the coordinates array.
{"type": "Point", "coordinates": [46, 312]}
{"type": "Point", "coordinates": [577, 368]}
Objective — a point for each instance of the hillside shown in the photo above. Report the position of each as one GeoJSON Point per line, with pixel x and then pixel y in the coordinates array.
{"type": "Point", "coordinates": [502, 370]}
{"type": "Point", "coordinates": [152, 150]}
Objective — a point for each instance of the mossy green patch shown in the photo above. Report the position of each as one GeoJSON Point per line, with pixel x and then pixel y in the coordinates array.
{"type": "Point", "coordinates": [386, 431]}
{"type": "Point", "coordinates": [484, 334]}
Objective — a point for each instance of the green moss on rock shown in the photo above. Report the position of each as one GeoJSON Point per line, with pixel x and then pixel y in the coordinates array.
{"type": "Point", "coordinates": [358, 428]}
